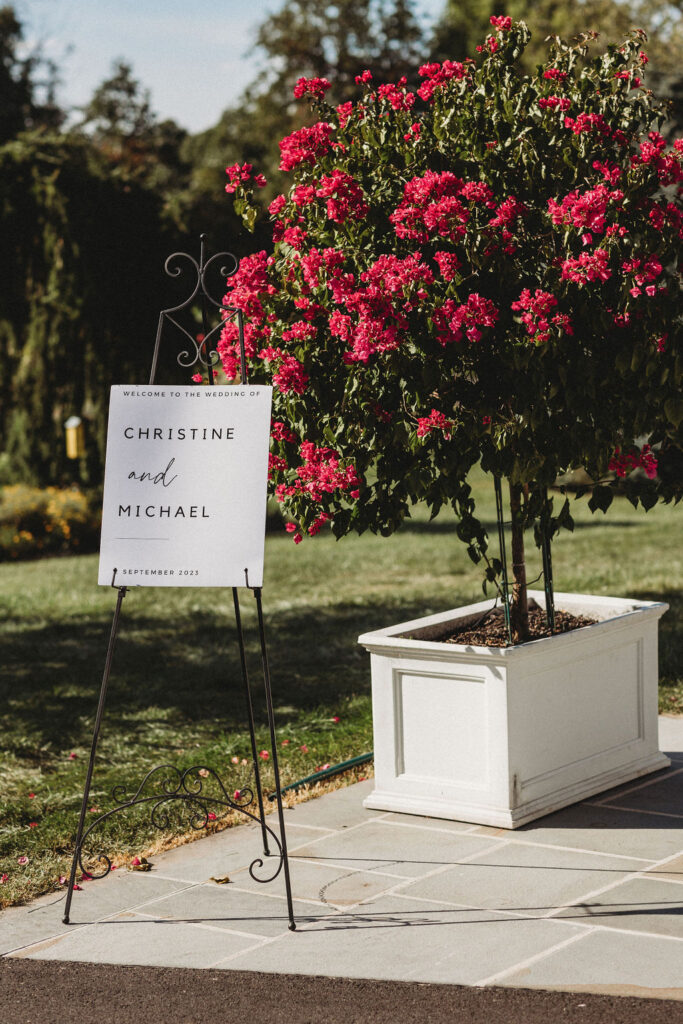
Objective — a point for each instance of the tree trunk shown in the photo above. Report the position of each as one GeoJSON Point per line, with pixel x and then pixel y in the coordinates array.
{"type": "Point", "coordinates": [519, 609]}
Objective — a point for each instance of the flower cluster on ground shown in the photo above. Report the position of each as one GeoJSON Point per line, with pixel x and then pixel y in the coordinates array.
{"type": "Point", "coordinates": [484, 269]}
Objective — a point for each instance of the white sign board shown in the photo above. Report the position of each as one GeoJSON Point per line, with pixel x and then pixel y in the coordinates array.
{"type": "Point", "coordinates": [185, 486]}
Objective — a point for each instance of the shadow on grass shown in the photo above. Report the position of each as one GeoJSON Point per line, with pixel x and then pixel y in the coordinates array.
{"type": "Point", "coordinates": [176, 674]}
{"type": "Point", "coordinates": [443, 525]}
{"type": "Point", "coordinates": [184, 676]}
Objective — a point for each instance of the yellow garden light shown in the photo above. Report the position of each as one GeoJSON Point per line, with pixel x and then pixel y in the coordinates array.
{"type": "Point", "coordinates": [75, 437]}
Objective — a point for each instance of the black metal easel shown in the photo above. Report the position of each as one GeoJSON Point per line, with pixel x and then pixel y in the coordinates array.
{"type": "Point", "coordinates": [166, 784]}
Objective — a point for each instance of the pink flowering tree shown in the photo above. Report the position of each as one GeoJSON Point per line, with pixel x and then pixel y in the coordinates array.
{"type": "Point", "coordinates": [487, 270]}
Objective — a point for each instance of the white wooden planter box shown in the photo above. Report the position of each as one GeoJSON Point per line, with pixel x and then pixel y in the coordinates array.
{"type": "Point", "coordinates": [501, 736]}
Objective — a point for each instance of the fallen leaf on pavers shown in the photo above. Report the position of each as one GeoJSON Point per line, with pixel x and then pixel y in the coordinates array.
{"type": "Point", "coordinates": [221, 881]}
{"type": "Point", "coordinates": [140, 864]}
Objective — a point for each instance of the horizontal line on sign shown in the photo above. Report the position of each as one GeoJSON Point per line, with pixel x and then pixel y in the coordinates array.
{"type": "Point", "coordinates": [142, 538]}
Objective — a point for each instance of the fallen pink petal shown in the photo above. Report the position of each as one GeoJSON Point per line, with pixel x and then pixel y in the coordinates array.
{"type": "Point", "coordinates": [22, 860]}
{"type": "Point", "coordinates": [135, 860]}
{"type": "Point", "coordinates": [32, 796]}
{"type": "Point", "coordinates": [33, 824]}
{"type": "Point", "coordinates": [3, 878]}
{"type": "Point", "coordinates": [63, 880]}
{"type": "Point", "coordinates": [211, 816]}
{"type": "Point", "coordinates": [235, 760]}
{"type": "Point", "coordinates": [335, 718]}
{"type": "Point", "coordinates": [264, 755]}
{"type": "Point", "coordinates": [237, 794]}
{"type": "Point", "coordinates": [94, 810]}
{"type": "Point", "coordinates": [304, 748]}
{"type": "Point", "coordinates": [285, 743]}
{"type": "Point", "coordinates": [72, 756]}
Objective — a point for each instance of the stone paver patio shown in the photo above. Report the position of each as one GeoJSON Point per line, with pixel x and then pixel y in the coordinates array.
{"type": "Point", "coordinates": [587, 899]}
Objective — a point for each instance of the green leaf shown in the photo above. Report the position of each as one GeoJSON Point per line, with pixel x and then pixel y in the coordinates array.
{"type": "Point", "coordinates": [601, 499]}
{"type": "Point", "coordinates": [673, 407]}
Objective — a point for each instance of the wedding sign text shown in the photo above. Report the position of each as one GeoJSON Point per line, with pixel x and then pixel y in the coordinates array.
{"type": "Point", "coordinates": [185, 486]}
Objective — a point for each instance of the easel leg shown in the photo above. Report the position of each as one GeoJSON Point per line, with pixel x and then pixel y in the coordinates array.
{"type": "Point", "coordinates": [250, 714]}
{"type": "Point", "coordinates": [276, 768]}
{"type": "Point", "coordinates": [93, 750]}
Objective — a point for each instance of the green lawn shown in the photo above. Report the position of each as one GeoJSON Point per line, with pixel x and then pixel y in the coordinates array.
{"type": "Point", "coordinates": [176, 692]}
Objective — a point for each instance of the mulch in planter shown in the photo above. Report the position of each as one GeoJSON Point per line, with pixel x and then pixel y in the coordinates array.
{"type": "Point", "coordinates": [492, 631]}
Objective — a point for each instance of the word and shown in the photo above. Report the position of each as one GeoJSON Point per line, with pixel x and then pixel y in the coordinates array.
{"type": "Point", "coordinates": [158, 478]}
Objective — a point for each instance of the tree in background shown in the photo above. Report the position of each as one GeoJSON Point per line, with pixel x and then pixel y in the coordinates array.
{"type": "Point", "coordinates": [336, 40]}
{"type": "Point", "coordinates": [120, 123]}
{"type": "Point", "coordinates": [27, 85]}
{"type": "Point", "coordinates": [333, 39]}
{"type": "Point", "coordinates": [81, 282]}
{"type": "Point", "coordinates": [119, 116]}
{"type": "Point", "coordinates": [464, 22]}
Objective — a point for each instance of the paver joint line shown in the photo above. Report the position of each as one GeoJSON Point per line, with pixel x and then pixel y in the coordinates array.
{"type": "Point", "coordinates": [596, 927]}
{"type": "Point", "coordinates": [519, 841]}
{"type": "Point", "coordinates": [666, 774]}
{"type": "Point", "coordinates": [641, 810]}
{"type": "Point", "coordinates": [590, 925]}
{"type": "Point", "coordinates": [205, 925]}
{"type": "Point", "coordinates": [431, 828]}
{"type": "Point", "coordinates": [611, 886]}
{"type": "Point", "coordinates": [494, 978]}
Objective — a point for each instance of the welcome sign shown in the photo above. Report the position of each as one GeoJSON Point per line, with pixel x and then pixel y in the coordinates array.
{"type": "Point", "coordinates": [185, 486]}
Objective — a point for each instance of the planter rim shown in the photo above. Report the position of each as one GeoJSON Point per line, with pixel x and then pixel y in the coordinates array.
{"type": "Point", "coordinates": [617, 613]}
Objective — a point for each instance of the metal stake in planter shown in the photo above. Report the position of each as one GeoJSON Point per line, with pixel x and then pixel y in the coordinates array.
{"type": "Point", "coordinates": [166, 785]}
{"type": "Point", "coordinates": [547, 564]}
{"type": "Point", "coordinates": [500, 519]}
{"type": "Point", "coordinates": [548, 573]}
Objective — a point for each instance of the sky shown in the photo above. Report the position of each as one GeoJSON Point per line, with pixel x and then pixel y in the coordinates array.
{"type": "Point", "coordinates": [192, 55]}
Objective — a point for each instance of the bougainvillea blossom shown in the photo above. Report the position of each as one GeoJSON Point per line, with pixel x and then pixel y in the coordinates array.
{"type": "Point", "coordinates": [305, 145]}
{"type": "Point", "coordinates": [241, 174]}
{"type": "Point", "coordinates": [623, 463]}
{"type": "Point", "coordinates": [315, 87]}
{"type": "Point", "coordinates": [585, 209]}
{"type": "Point", "coordinates": [396, 95]}
{"type": "Point", "coordinates": [436, 76]}
{"type": "Point", "coordinates": [453, 321]}
{"type": "Point", "coordinates": [435, 421]}
{"type": "Point", "coordinates": [590, 266]}
{"type": "Point", "coordinates": [536, 315]}
{"type": "Point", "coordinates": [344, 197]}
